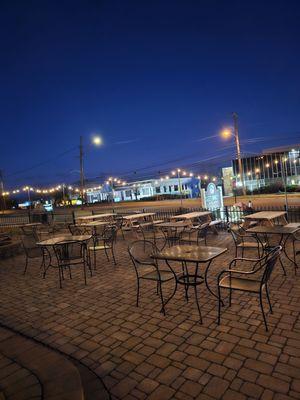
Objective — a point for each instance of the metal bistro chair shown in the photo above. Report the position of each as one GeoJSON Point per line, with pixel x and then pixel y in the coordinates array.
{"type": "Point", "coordinates": [254, 281]}
{"type": "Point", "coordinates": [153, 234]}
{"type": "Point", "coordinates": [71, 253]}
{"type": "Point", "coordinates": [104, 241]}
{"type": "Point", "coordinates": [174, 235]}
{"type": "Point", "coordinates": [198, 231]}
{"type": "Point", "coordinates": [146, 268]}
{"type": "Point", "coordinates": [243, 240]}
{"type": "Point", "coordinates": [79, 230]}
{"type": "Point", "coordinates": [119, 223]}
{"type": "Point", "coordinates": [29, 244]}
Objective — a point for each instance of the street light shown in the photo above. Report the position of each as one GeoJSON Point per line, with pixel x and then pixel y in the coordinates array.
{"type": "Point", "coordinates": [97, 141]}
{"type": "Point", "coordinates": [227, 133]}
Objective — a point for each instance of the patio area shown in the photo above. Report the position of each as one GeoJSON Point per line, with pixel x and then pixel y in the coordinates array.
{"type": "Point", "coordinates": [141, 354]}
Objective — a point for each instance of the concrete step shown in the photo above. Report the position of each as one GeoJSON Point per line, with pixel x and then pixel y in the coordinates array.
{"type": "Point", "coordinates": [58, 377]}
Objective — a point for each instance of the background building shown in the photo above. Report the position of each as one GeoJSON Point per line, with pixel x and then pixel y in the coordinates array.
{"type": "Point", "coordinates": [272, 167]}
{"type": "Point", "coordinates": [227, 175]}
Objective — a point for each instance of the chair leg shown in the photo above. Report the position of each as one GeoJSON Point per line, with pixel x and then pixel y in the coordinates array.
{"type": "Point", "coordinates": [262, 310]}
{"type": "Point", "coordinates": [88, 261]}
{"type": "Point", "coordinates": [185, 285]}
{"type": "Point", "coordinates": [282, 266]}
{"type": "Point", "coordinates": [162, 299]}
{"type": "Point", "coordinates": [106, 254]}
{"type": "Point", "coordinates": [230, 296]}
{"type": "Point", "coordinates": [137, 291]}
{"type": "Point", "coordinates": [113, 255]}
{"type": "Point", "coordinates": [84, 272]}
{"type": "Point", "coordinates": [268, 297]}
{"type": "Point", "coordinates": [26, 265]}
{"type": "Point", "coordinates": [197, 302]}
{"type": "Point", "coordinates": [60, 276]}
{"type": "Point", "coordinates": [95, 259]}
{"type": "Point", "coordinates": [219, 305]}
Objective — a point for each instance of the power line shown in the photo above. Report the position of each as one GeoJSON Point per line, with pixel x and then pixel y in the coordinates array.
{"type": "Point", "coordinates": [42, 163]}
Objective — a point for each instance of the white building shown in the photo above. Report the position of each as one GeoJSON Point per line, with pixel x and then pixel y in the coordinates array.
{"type": "Point", "coordinates": [187, 187]}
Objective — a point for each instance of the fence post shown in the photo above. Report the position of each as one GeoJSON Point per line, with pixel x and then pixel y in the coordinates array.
{"type": "Point", "coordinates": [287, 212]}
{"type": "Point", "coordinates": [73, 217]}
{"type": "Point", "coordinates": [226, 214]}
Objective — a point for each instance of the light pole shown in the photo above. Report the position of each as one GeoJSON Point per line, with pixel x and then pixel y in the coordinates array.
{"type": "Point", "coordinates": [227, 133]}
{"type": "Point", "coordinates": [284, 179]}
{"type": "Point", "coordinates": [179, 183]}
{"type": "Point", "coordinates": [97, 141]}
{"type": "Point", "coordinates": [2, 191]}
{"type": "Point", "coordinates": [81, 169]}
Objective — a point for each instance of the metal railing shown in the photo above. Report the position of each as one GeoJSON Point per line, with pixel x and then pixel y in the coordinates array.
{"type": "Point", "coordinates": [225, 214]}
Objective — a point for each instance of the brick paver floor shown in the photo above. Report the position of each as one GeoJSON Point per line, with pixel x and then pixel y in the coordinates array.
{"type": "Point", "coordinates": [141, 354]}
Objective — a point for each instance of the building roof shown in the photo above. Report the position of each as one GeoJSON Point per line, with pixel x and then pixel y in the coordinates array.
{"type": "Point", "coordinates": [281, 149]}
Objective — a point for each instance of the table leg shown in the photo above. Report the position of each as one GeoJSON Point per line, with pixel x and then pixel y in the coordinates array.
{"type": "Point", "coordinates": [175, 288]}
{"type": "Point", "coordinates": [206, 282]}
{"type": "Point", "coordinates": [46, 253]}
{"type": "Point", "coordinates": [283, 244]}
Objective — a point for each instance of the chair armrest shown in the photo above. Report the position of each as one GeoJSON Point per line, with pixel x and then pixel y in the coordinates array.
{"type": "Point", "coordinates": [238, 271]}
{"type": "Point", "coordinates": [245, 259]}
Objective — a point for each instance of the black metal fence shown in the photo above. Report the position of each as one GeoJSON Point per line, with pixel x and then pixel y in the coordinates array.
{"type": "Point", "coordinates": [225, 214]}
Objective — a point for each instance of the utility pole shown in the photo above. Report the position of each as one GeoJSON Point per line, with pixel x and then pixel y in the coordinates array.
{"type": "Point", "coordinates": [238, 150]}
{"type": "Point", "coordinates": [81, 170]}
{"type": "Point", "coordinates": [3, 202]}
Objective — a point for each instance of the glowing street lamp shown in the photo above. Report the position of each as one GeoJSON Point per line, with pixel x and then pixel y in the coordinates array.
{"type": "Point", "coordinates": [227, 133]}
{"type": "Point", "coordinates": [97, 140]}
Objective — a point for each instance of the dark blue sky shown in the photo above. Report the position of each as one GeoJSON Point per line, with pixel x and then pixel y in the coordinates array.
{"type": "Point", "coordinates": [151, 77]}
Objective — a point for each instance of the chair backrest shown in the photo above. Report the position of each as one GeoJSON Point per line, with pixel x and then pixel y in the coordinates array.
{"type": "Point", "coordinates": [234, 233]}
{"type": "Point", "coordinates": [270, 262]}
{"type": "Point", "coordinates": [29, 243]}
{"type": "Point", "coordinates": [118, 221]}
{"type": "Point", "coordinates": [141, 251]}
{"type": "Point", "coordinates": [109, 234]}
{"type": "Point", "coordinates": [203, 228]}
{"type": "Point", "coordinates": [76, 229]}
{"type": "Point", "coordinates": [29, 240]}
{"type": "Point", "coordinates": [68, 250]}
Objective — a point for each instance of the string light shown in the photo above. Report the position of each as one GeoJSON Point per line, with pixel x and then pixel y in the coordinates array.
{"type": "Point", "coordinates": [114, 180]}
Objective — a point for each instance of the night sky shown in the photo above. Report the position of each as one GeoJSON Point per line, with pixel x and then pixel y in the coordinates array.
{"type": "Point", "coordinates": [154, 78]}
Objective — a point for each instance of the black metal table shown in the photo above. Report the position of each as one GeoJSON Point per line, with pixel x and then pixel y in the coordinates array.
{"type": "Point", "coordinates": [285, 233]}
{"type": "Point", "coordinates": [190, 254]}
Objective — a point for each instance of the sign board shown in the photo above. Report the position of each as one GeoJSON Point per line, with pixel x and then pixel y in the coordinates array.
{"type": "Point", "coordinates": [212, 197]}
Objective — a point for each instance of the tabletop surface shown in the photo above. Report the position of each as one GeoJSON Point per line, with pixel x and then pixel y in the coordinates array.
{"type": "Point", "coordinates": [190, 253]}
{"type": "Point", "coordinates": [95, 216]}
{"type": "Point", "coordinates": [283, 230]}
{"type": "Point", "coordinates": [94, 223]}
{"type": "Point", "coordinates": [64, 238]}
{"type": "Point", "coordinates": [137, 216]}
{"type": "Point", "coordinates": [266, 215]}
{"type": "Point", "coordinates": [180, 224]}
{"type": "Point", "coordinates": [29, 224]}
{"type": "Point", "coordinates": [191, 215]}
